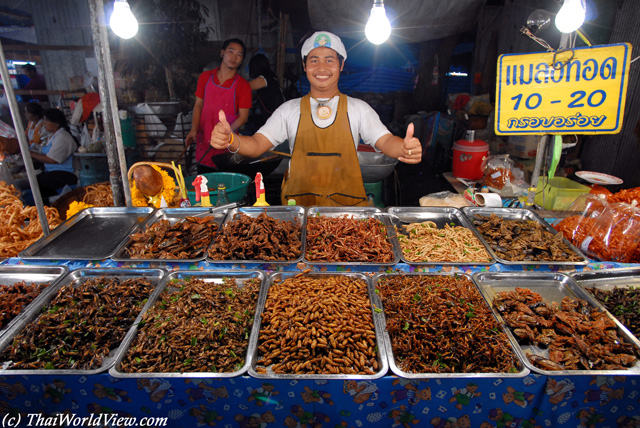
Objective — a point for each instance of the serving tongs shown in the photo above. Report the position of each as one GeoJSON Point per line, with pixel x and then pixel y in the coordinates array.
{"type": "Point", "coordinates": [398, 225]}
{"type": "Point", "coordinates": [212, 210]}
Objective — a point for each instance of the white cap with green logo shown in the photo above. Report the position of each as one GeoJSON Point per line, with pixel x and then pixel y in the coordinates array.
{"type": "Point", "coordinates": [325, 39]}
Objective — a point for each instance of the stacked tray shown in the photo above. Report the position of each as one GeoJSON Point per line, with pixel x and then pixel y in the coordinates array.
{"type": "Point", "coordinates": [174, 217]}
{"type": "Point", "coordinates": [401, 217]}
{"type": "Point", "coordinates": [352, 235]}
{"type": "Point", "coordinates": [261, 245]}
{"type": "Point", "coordinates": [426, 319]}
{"type": "Point", "coordinates": [616, 290]}
{"type": "Point", "coordinates": [11, 276]}
{"type": "Point", "coordinates": [199, 338]}
{"type": "Point", "coordinates": [92, 234]}
{"type": "Point", "coordinates": [513, 243]}
{"type": "Point", "coordinates": [319, 330]}
{"type": "Point", "coordinates": [574, 334]}
{"type": "Point", "coordinates": [99, 308]}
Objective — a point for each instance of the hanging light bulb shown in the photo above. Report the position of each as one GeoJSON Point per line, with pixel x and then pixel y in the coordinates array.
{"type": "Point", "coordinates": [539, 20]}
{"type": "Point", "coordinates": [378, 28]}
{"type": "Point", "coordinates": [570, 16]}
{"type": "Point", "coordinates": [122, 21]}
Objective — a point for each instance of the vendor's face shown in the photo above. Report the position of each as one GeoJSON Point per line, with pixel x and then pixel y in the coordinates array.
{"type": "Point", "coordinates": [50, 126]}
{"type": "Point", "coordinates": [233, 55]}
{"type": "Point", "coordinates": [323, 71]}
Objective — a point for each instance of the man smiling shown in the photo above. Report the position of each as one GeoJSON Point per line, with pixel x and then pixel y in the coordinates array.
{"type": "Point", "coordinates": [323, 129]}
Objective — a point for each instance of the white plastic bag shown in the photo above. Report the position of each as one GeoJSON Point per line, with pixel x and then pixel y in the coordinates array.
{"type": "Point", "coordinates": [183, 125]}
{"type": "Point", "coordinates": [152, 124]}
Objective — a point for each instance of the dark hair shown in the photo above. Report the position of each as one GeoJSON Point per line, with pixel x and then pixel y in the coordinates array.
{"type": "Point", "coordinates": [226, 44]}
{"type": "Point", "coordinates": [259, 66]}
{"type": "Point", "coordinates": [56, 116]}
{"type": "Point", "coordinates": [30, 68]}
{"type": "Point", "coordinates": [35, 109]}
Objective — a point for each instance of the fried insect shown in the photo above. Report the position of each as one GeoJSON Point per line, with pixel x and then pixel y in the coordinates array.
{"type": "Point", "coordinates": [523, 240]}
{"type": "Point", "coordinates": [317, 326]}
{"type": "Point", "coordinates": [260, 238]}
{"type": "Point", "coordinates": [578, 336]}
{"type": "Point", "coordinates": [80, 326]}
{"type": "Point", "coordinates": [186, 239]}
{"type": "Point", "coordinates": [441, 324]}
{"type": "Point", "coordinates": [347, 239]}
{"type": "Point", "coordinates": [14, 297]}
{"type": "Point", "coordinates": [195, 326]}
{"type": "Point", "coordinates": [623, 303]}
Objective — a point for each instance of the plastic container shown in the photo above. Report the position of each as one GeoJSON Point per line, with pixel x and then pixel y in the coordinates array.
{"type": "Point", "coordinates": [94, 168]}
{"type": "Point", "coordinates": [128, 131]}
{"type": "Point", "coordinates": [468, 155]}
{"type": "Point", "coordinates": [237, 185]}
{"type": "Point", "coordinates": [558, 193]}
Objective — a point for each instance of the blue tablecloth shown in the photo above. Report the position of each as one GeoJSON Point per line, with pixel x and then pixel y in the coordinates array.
{"type": "Point", "coordinates": [532, 401]}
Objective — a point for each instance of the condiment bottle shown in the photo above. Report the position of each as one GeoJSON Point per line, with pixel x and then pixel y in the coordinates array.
{"type": "Point", "coordinates": [222, 199]}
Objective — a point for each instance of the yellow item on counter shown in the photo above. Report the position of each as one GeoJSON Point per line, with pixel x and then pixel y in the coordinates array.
{"type": "Point", "coordinates": [168, 191]}
{"type": "Point", "coordinates": [75, 207]}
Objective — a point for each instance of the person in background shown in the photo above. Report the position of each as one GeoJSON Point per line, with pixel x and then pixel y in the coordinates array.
{"type": "Point", "coordinates": [36, 82]}
{"type": "Point", "coordinates": [222, 89]}
{"type": "Point", "coordinates": [35, 117]}
{"type": "Point", "coordinates": [8, 141]}
{"type": "Point", "coordinates": [323, 129]}
{"type": "Point", "coordinates": [56, 154]}
{"type": "Point", "coordinates": [268, 93]}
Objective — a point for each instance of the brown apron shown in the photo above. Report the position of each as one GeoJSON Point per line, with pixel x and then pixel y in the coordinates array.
{"type": "Point", "coordinates": [324, 168]}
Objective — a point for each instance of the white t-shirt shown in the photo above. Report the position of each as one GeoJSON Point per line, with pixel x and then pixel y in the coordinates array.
{"type": "Point", "coordinates": [364, 121]}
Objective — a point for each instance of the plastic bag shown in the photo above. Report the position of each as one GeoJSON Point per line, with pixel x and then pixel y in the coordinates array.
{"type": "Point", "coordinates": [444, 199]}
{"type": "Point", "coordinates": [498, 171]}
{"type": "Point", "coordinates": [183, 125]}
{"type": "Point", "coordinates": [152, 124]}
{"type": "Point", "coordinates": [5, 173]}
{"type": "Point", "coordinates": [587, 209]}
{"type": "Point", "coordinates": [614, 236]}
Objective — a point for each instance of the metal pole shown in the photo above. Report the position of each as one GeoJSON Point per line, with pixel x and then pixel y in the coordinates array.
{"type": "Point", "coordinates": [542, 145]}
{"type": "Point", "coordinates": [540, 158]}
{"type": "Point", "coordinates": [22, 141]}
{"type": "Point", "coordinates": [111, 119]}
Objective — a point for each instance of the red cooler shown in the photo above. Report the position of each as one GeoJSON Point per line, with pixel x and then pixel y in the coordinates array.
{"type": "Point", "coordinates": [468, 155]}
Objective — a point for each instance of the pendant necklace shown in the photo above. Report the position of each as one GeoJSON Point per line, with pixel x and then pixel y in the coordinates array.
{"type": "Point", "coordinates": [323, 111]}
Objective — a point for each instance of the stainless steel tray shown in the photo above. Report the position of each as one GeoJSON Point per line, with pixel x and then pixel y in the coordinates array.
{"type": "Point", "coordinates": [357, 213]}
{"type": "Point", "coordinates": [383, 365]}
{"type": "Point", "coordinates": [208, 276]}
{"type": "Point", "coordinates": [92, 234]}
{"type": "Point", "coordinates": [284, 213]}
{"type": "Point", "coordinates": [173, 215]}
{"type": "Point", "coordinates": [9, 275]}
{"type": "Point", "coordinates": [552, 287]}
{"type": "Point", "coordinates": [607, 280]}
{"type": "Point", "coordinates": [522, 369]}
{"type": "Point", "coordinates": [75, 279]}
{"type": "Point", "coordinates": [440, 216]}
{"type": "Point", "coordinates": [520, 214]}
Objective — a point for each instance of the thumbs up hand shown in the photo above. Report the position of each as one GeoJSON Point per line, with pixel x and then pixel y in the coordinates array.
{"type": "Point", "coordinates": [411, 147]}
{"type": "Point", "coordinates": [221, 134]}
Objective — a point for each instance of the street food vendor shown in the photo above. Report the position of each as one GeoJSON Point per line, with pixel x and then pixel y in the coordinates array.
{"type": "Point", "coordinates": [222, 89]}
{"type": "Point", "coordinates": [323, 129]}
{"type": "Point", "coordinates": [56, 154]}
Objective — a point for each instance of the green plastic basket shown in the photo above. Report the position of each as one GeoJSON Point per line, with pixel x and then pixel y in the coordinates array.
{"type": "Point", "coordinates": [236, 184]}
